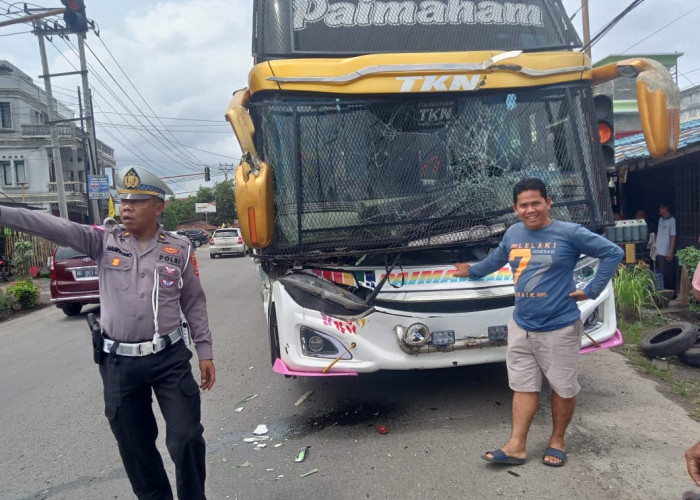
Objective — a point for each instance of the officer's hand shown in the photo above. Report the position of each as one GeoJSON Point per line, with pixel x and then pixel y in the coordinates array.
{"type": "Point", "coordinates": [206, 366]}
{"type": "Point", "coordinates": [579, 295]}
{"type": "Point", "coordinates": [462, 270]}
{"type": "Point", "coordinates": [692, 459]}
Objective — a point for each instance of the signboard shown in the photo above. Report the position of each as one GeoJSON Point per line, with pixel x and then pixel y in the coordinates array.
{"type": "Point", "coordinates": [98, 187]}
{"type": "Point", "coordinates": [386, 26]}
{"type": "Point", "coordinates": [204, 208]}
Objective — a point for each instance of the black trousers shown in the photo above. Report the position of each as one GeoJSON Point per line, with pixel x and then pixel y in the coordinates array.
{"type": "Point", "coordinates": [128, 386]}
{"type": "Point", "coordinates": [668, 271]}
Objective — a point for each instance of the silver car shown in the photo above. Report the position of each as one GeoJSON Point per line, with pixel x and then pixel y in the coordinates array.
{"type": "Point", "coordinates": [226, 241]}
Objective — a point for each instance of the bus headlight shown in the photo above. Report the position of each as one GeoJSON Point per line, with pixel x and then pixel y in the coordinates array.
{"type": "Point", "coordinates": [585, 271]}
{"type": "Point", "coordinates": [416, 335]}
{"type": "Point", "coordinates": [320, 345]}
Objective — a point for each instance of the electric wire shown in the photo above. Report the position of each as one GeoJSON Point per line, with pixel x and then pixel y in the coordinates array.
{"type": "Point", "coordinates": [605, 29]}
{"type": "Point", "coordinates": [139, 94]}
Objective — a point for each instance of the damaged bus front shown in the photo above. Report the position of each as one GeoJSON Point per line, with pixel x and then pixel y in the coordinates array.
{"type": "Point", "coordinates": [377, 154]}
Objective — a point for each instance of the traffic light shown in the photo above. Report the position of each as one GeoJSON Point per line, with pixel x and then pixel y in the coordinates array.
{"type": "Point", "coordinates": [74, 16]}
{"type": "Point", "coordinates": [606, 129]}
{"type": "Point", "coordinates": [207, 176]}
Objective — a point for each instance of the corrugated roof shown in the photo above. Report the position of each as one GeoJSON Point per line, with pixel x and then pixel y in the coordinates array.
{"type": "Point", "coordinates": [634, 147]}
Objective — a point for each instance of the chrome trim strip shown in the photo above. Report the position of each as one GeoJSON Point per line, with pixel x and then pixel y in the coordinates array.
{"type": "Point", "coordinates": [73, 299]}
{"type": "Point", "coordinates": [404, 68]}
{"type": "Point", "coordinates": [400, 68]}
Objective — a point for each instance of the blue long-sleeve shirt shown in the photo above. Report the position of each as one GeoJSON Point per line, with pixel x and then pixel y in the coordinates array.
{"type": "Point", "coordinates": [543, 262]}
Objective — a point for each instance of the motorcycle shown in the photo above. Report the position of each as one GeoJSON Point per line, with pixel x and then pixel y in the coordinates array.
{"type": "Point", "coordinates": [5, 268]}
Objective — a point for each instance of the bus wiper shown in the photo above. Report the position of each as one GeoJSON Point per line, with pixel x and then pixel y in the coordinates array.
{"type": "Point", "coordinates": [369, 301]}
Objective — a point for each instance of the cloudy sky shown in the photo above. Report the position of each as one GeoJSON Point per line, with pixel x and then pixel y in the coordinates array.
{"type": "Point", "coordinates": [163, 72]}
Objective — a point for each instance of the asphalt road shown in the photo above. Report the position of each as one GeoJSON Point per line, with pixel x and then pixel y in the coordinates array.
{"type": "Point", "coordinates": [626, 440]}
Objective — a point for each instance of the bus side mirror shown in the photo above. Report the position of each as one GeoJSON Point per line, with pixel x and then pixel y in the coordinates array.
{"type": "Point", "coordinates": [658, 100]}
{"type": "Point", "coordinates": [659, 110]}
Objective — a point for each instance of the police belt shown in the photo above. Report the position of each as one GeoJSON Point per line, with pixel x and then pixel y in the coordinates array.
{"type": "Point", "coordinates": [142, 348]}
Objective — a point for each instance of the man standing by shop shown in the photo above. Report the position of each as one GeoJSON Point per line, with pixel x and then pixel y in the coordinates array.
{"type": "Point", "coordinates": [544, 335]}
{"type": "Point", "coordinates": [666, 246]}
{"type": "Point", "coordinates": [147, 278]}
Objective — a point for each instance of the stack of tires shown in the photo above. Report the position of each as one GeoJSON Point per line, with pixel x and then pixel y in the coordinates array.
{"type": "Point", "coordinates": [676, 339]}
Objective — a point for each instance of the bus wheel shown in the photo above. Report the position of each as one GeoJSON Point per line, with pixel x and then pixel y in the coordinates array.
{"type": "Point", "coordinates": [274, 335]}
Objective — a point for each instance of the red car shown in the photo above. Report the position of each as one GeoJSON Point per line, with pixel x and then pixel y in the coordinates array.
{"type": "Point", "coordinates": [74, 280]}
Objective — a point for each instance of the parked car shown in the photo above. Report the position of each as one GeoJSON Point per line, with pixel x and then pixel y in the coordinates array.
{"type": "Point", "coordinates": [226, 241]}
{"type": "Point", "coordinates": [196, 236]}
{"type": "Point", "coordinates": [74, 280]}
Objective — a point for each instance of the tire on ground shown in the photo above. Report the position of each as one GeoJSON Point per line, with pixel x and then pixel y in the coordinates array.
{"type": "Point", "coordinates": [669, 340]}
{"type": "Point", "coordinates": [691, 357]}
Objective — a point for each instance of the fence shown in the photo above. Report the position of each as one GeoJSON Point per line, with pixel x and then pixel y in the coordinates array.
{"type": "Point", "coordinates": [42, 247]}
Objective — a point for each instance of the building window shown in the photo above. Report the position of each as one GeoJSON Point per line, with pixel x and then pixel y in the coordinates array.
{"type": "Point", "coordinates": [5, 116]}
{"type": "Point", "coordinates": [6, 173]}
{"type": "Point", "coordinates": [20, 174]}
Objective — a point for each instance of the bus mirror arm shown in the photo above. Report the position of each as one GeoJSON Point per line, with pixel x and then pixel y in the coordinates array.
{"type": "Point", "coordinates": [239, 118]}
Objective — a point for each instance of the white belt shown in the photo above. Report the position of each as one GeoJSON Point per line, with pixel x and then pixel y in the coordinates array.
{"type": "Point", "coordinates": [142, 348]}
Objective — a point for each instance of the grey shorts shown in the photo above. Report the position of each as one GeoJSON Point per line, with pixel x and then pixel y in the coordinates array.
{"type": "Point", "coordinates": [554, 354]}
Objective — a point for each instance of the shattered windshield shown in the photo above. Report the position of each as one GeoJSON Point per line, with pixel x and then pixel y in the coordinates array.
{"type": "Point", "coordinates": [389, 172]}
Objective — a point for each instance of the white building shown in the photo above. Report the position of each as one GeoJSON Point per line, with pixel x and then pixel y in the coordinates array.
{"type": "Point", "coordinates": [27, 173]}
{"type": "Point", "coordinates": [690, 104]}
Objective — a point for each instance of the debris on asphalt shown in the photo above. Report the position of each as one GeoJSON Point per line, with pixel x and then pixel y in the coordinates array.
{"type": "Point", "coordinates": [239, 409]}
{"type": "Point", "coordinates": [244, 464]}
{"type": "Point", "coordinates": [513, 473]}
{"type": "Point", "coordinates": [303, 398]}
{"type": "Point", "coordinates": [245, 400]}
{"type": "Point", "coordinates": [255, 439]}
{"type": "Point", "coordinates": [260, 430]}
{"type": "Point", "coordinates": [312, 471]}
{"type": "Point", "coordinates": [259, 446]}
{"type": "Point", "coordinates": [382, 429]}
{"type": "Point", "coordinates": [302, 454]}
{"type": "Point", "coordinates": [278, 445]}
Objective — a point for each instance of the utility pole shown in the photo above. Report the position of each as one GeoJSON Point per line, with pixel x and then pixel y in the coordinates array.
{"type": "Point", "coordinates": [90, 124]}
{"type": "Point", "coordinates": [586, 28]}
{"type": "Point", "coordinates": [226, 168]}
{"type": "Point", "coordinates": [55, 147]}
{"type": "Point", "coordinates": [87, 161]}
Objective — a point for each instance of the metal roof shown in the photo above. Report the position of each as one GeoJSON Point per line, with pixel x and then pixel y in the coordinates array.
{"type": "Point", "coordinates": [634, 147]}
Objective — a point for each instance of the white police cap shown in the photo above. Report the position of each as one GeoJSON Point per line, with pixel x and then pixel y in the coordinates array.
{"type": "Point", "coordinates": [138, 183]}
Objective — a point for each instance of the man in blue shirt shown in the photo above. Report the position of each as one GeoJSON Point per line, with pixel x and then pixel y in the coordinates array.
{"type": "Point", "coordinates": [665, 247]}
{"type": "Point", "coordinates": [544, 335]}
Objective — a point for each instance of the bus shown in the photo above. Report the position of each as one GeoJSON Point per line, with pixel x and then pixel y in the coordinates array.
{"type": "Point", "coordinates": [380, 143]}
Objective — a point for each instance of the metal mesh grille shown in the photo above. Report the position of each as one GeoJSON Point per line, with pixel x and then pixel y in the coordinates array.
{"type": "Point", "coordinates": [362, 175]}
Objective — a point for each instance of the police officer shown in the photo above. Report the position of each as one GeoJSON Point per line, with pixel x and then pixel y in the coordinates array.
{"type": "Point", "coordinates": [149, 280]}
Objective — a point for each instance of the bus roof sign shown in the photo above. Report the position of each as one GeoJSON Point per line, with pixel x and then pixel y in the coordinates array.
{"type": "Point", "coordinates": [303, 28]}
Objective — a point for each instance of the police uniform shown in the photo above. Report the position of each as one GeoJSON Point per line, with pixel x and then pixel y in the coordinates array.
{"type": "Point", "coordinates": [143, 290]}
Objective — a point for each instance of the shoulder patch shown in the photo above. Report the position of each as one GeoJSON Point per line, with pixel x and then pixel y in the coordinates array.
{"type": "Point", "coordinates": [170, 250]}
{"type": "Point", "coordinates": [195, 266]}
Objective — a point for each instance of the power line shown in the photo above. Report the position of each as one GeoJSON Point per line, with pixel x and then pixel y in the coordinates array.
{"type": "Point", "coordinates": [662, 28]}
{"type": "Point", "coordinates": [603, 31]}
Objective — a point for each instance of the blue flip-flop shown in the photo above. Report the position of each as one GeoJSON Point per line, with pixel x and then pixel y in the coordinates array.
{"type": "Point", "coordinates": [499, 457]}
{"type": "Point", "coordinates": [553, 452]}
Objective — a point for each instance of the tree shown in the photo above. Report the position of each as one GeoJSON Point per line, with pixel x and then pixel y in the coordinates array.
{"type": "Point", "coordinates": [225, 202]}
{"type": "Point", "coordinates": [205, 195]}
{"type": "Point", "coordinates": [178, 210]}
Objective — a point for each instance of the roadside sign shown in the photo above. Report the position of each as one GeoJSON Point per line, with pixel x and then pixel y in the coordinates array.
{"type": "Point", "coordinates": [98, 187]}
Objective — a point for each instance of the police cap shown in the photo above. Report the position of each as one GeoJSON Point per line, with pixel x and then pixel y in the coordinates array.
{"type": "Point", "coordinates": [138, 183]}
